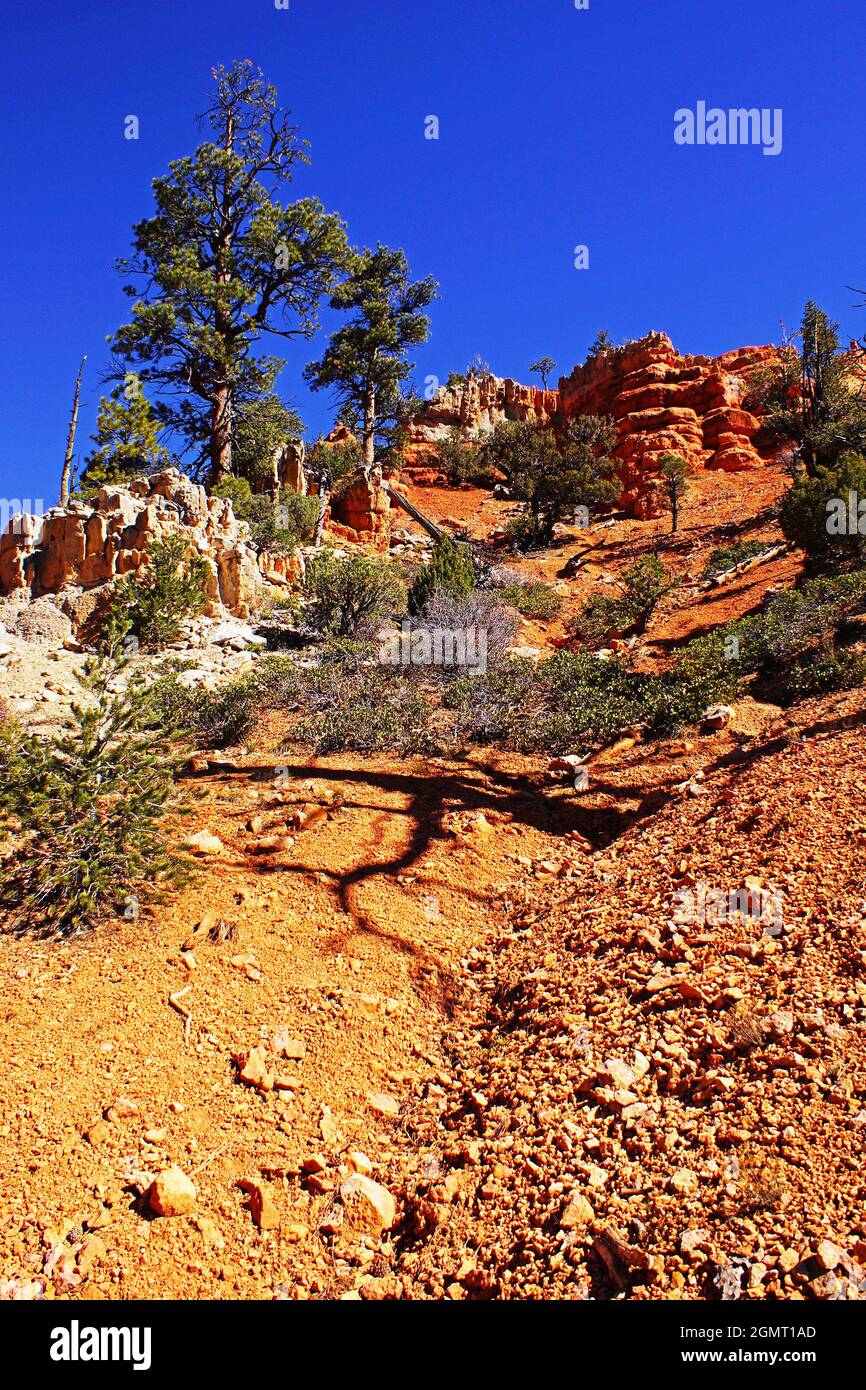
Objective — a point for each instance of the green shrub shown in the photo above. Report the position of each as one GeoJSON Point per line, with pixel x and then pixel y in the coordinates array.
{"type": "Point", "coordinates": [274, 525]}
{"type": "Point", "coordinates": [553, 476]}
{"type": "Point", "coordinates": [814, 514]}
{"type": "Point", "coordinates": [88, 807]}
{"type": "Point", "coordinates": [535, 600]}
{"type": "Point", "coordinates": [334, 465]}
{"type": "Point", "coordinates": [831, 671]}
{"type": "Point", "coordinates": [643, 584]}
{"type": "Point", "coordinates": [703, 674]}
{"type": "Point", "coordinates": [462, 461]}
{"type": "Point", "coordinates": [351, 701]}
{"type": "Point", "coordinates": [349, 597]}
{"type": "Point", "coordinates": [800, 627]}
{"type": "Point", "coordinates": [450, 571]}
{"type": "Point", "coordinates": [151, 604]}
{"type": "Point", "coordinates": [575, 701]}
{"type": "Point", "coordinates": [297, 515]}
{"type": "Point", "coordinates": [727, 556]}
{"type": "Point", "coordinates": [214, 718]}
{"type": "Point", "coordinates": [571, 701]}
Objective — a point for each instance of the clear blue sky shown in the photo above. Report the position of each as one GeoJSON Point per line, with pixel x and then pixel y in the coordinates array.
{"type": "Point", "coordinates": [556, 130]}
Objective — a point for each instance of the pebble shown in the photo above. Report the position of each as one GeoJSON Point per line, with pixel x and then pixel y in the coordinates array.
{"type": "Point", "coordinates": [172, 1193]}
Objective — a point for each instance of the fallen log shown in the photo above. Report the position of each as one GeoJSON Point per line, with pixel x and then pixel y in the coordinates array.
{"type": "Point", "coordinates": [736, 570]}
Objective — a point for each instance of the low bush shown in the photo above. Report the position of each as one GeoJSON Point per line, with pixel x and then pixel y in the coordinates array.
{"type": "Point", "coordinates": [534, 600]}
{"type": "Point", "coordinates": [349, 597]}
{"type": "Point", "coordinates": [87, 808]}
{"type": "Point", "coordinates": [276, 525]}
{"type": "Point", "coordinates": [830, 671]}
{"type": "Point", "coordinates": [214, 718]}
{"type": "Point", "coordinates": [800, 628]}
{"type": "Point", "coordinates": [351, 701]}
{"type": "Point", "coordinates": [151, 604]}
{"type": "Point", "coordinates": [479, 625]}
{"type": "Point", "coordinates": [462, 461]}
{"type": "Point", "coordinates": [573, 700]}
{"type": "Point", "coordinates": [821, 514]}
{"type": "Point", "coordinates": [643, 584]}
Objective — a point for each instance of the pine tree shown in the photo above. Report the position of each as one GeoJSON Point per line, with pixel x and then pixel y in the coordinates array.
{"type": "Point", "coordinates": [126, 439]}
{"type": "Point", "coordinates": [366, 360]}
{"type": "Point", "coordinates": [675, 474]}
{"type": "Point", "coordinates": [87, 807]}
{"type": "Point", "coordinates": [223, 263]}
{"type": "Point", "coordinates": [544, 366]}
{"type": "Point", "coordinates": [554, 477]}
{"type": "Point", "coordinates": [810, 399]}
{"type": "Point", "coordinates": [450, 571]}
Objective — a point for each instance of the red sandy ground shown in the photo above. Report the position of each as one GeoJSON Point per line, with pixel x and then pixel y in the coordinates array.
{"type": "Point", "coordinates": [476, 941]}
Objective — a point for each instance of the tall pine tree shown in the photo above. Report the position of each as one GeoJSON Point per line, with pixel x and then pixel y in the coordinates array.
{"type": "Point", "coordinates": [366, 361]}
{"type": "Point", "coordinates": [223, 263]}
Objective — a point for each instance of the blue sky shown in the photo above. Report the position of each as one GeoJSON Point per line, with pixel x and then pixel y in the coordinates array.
{"type": "Point", "coordinates": [556, 130]}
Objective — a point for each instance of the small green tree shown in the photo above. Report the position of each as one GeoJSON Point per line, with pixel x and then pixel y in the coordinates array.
{"type": "Point", "coordinates": [641, 587]}
{"type": "Point", "coordinates": [262, 429]}
{"type": "Point", "coordinates": [554, 478]}
{"type": "Point", "coordinates": [366, 362]}
{"type": "Point", "coordinates": [808, 398]}
{"type": "Point", "coordinates": [450, 571]}
{"type": "Point", "coordinates": [544, 366]}
{"type": "Point", "coordinates": [602, 342]}
{"type": "Point", "coordinates": [462, 460]}
{"type": "Point", "coordinates": [151, 604]}
{"type": "Point", "coordinates": [674, 473]}
{"type": "Point", "coordinates": [348, 597]}
{"type": "Point", "coordinates": [87, 807]}
{"type": "Point", "coordinates": [824, 514]}
{"type": "Point", "coordinates": [126, 439]}
{"type": "Point", "coordinates": [276, 524]}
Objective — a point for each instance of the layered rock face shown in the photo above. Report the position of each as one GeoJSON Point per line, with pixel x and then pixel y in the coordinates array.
{"type": "Point", "coordinates": [475, 405]}
{"type": "Point", "coordinates": [84, 546]}
{"type": "Point", "coordinates": [361, 513]}
{"type": "Point", "coordinates": [660, 401]}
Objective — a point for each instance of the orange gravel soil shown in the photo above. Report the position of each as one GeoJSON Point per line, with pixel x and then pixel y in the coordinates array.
{"type": "Point", "coordinates": [468, 980]}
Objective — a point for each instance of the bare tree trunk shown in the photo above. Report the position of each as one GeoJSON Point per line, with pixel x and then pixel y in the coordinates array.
{"type": "Point", "coordinates": [66, 475]}
{"type": "Point", "coordinates": [221, 437]}
{"type": "Point", "coordinates": [370, 430]}
{"type": "Point", "coordinates": [325, 497]}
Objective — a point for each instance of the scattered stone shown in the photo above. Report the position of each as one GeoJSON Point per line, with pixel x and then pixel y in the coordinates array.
{"type": "Point", "coordinates": [262, 1206]}
{"type": "Point", "coordinates": [254, 1070]}
{"type": "Point", "coordinates": [172, 1193]}
{"type": "Point", "coordinates": [369, 1206]}
{"type": "Point", "coordinates": [382, 1104]}
{"type": "Point", "coordinates": [203, 843]}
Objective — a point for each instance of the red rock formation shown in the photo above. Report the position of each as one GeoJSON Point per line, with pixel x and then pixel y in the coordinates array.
{"type": "Point", "coordinates": [660, 401]}
{"type": "Point", "coordinates": [361, 512]}
{"type": "Point", "coordinates": [663, 402]}
{"type": "Point", "coordinates": [475, 405]}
